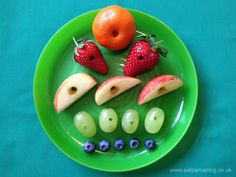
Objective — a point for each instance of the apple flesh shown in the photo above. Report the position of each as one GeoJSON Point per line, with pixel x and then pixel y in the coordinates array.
{"type": "Point", "coordinates": [114, 86]}
{"type": "Point", "coordinates": [158, 86]}
{"type": "Point", "coordinates": [72, 89]}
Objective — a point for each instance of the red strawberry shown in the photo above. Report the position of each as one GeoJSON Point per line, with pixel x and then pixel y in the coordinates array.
{"type": "Point", "coordinates": [143, 56]}
{"type": "Point", "coordinates": [88, 54]}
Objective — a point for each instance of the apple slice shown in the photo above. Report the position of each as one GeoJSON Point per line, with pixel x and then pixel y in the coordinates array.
{"type": "Point", "coordinates": [72, 89]}
{"type": "Point", "coordinates": [114, 86]}
{"type": "Point", "coordinates": [158, 86]}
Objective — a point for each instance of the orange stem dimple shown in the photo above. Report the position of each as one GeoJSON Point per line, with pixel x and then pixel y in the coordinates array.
{"type": "Point", "coordinates": [115, 33]}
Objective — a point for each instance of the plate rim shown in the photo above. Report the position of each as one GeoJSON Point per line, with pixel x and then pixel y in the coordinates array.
{"type": "Point", "coordinates": [194, 73]}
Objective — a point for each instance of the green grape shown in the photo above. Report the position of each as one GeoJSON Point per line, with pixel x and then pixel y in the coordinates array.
{"type": "Point", "coordinates": [130, 121]}
{"type": "Point", "coordinates": [85, 124]}
{"type": "Point", "coordinates": [108, 120]}
{"type": "Point", "coordinates": [154, 120]}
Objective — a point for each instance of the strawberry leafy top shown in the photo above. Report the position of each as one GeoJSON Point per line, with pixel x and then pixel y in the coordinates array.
{"type": "Point", "coordinates": [151, 39]}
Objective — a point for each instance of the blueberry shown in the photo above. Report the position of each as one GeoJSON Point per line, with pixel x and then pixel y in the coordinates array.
{"type": "Point", "coordinates": [150, 144]}
{"type": "Point", "coordinates": [89, 147]}
{"type": "Point", "coordinates": [104, 146]}
{"type": "Point", "coordinates": [134, 143]}
{"type": "Point", "coordinates": [119, 144]}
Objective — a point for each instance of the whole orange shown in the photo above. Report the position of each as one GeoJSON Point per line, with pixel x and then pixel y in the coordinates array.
{"type": "Point", "coordinates": [114, 27]}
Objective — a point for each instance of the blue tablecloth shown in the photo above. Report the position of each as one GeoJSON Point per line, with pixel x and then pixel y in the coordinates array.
{"type": "Point", "coordinates": [207, 28]}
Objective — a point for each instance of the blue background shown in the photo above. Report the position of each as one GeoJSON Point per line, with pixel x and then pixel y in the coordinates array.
{"type": "Point", "coordinates": [207, 28]}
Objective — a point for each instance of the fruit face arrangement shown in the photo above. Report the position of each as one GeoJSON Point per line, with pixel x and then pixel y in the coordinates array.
{"type": "Point", "coordinates": [114, 28]}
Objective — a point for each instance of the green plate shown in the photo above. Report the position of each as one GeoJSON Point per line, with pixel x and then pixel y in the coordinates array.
{"type": "Point", "coordinates": [56, 64]}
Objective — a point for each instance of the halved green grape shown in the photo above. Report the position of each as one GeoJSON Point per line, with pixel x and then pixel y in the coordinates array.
{"type": "Point", "coordinates": [85, 124]}
{"type": "Point", "coordinates": [154, 120]}
{"type": "Point", "coordinates": [130, 121]}
{"type": "Point", "coordinates": [108, 120]}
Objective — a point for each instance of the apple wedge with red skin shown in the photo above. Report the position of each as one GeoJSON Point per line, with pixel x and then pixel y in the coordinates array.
{"type": "Point", "coordinates": [114, 86]}
{"type": "Point", "coordinates": [158, 86]}
{"type": "Point", "coordinates": [72, 89]}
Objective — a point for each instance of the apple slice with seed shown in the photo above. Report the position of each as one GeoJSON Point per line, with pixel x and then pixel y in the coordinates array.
{"type": "Point", "coordinates": [114, 86]}
{"type": "Point", "coordinates": [158, 86]}
{"type": "Point", "coordinates": [72, 89]}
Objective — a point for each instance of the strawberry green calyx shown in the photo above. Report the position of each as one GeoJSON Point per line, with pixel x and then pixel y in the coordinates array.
{"type": "Point", "coordinates": [80, 43]}
{"type": "Point", "coordinates": [163, 51]}
{"type": "Point", "coordinates": [151, 39]}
